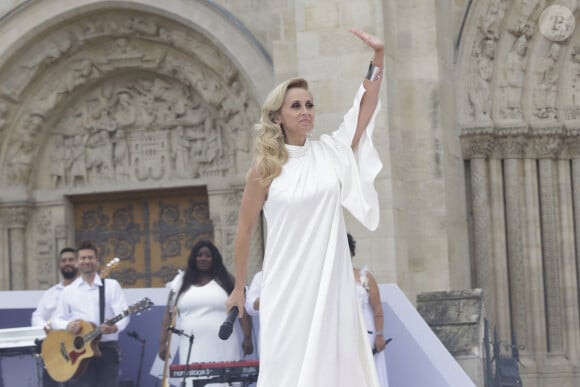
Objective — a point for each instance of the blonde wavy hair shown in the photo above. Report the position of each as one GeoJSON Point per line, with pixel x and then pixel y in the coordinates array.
{"type": "Point", "coordinates": [270, 152]}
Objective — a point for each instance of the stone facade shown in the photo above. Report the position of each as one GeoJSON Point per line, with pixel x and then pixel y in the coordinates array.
{"type": "Point", "coordinates": [478, 135]}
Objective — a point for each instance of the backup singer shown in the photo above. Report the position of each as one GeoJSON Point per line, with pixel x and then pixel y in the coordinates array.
{"type": "Point", "coordinates": [201, 292]}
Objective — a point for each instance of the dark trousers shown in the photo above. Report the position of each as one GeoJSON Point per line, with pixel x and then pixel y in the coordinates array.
{"type": "Point", "coordinates": [47, 381]}
{"type": "Point", "coordinates": [101, 371]}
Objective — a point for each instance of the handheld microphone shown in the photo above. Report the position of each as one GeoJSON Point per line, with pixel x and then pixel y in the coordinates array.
{"type": "Point", "coordinates": [176, 331]}
{"type": "Point", "coordinates": [228, 325]}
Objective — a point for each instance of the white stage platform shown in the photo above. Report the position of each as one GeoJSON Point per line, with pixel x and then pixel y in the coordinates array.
{"type": "Point", "coordinates": [415, 357]}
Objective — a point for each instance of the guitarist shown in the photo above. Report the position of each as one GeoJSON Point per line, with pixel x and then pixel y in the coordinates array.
{"type": "Point", "coordinates": [81, 302]}
{"type": "Point", "coordinates": [50, 299]}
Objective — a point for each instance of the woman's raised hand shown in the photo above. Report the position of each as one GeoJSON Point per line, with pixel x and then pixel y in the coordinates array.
{"type": "Point", "coordinates": [370, 40]}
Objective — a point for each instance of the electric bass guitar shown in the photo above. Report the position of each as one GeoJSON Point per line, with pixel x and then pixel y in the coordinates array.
{"type": "Point", "coordinates": [66, 355]}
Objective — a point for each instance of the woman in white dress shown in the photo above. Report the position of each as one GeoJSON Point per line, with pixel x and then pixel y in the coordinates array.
{"type": "Point", "coordinates": [372, 309]}
{"type": "Point", "coordinates": [311, 330]}
{"type": "Point", "coordinates": [201, 292]}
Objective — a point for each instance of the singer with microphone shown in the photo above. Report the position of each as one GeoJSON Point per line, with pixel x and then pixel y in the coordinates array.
{"type": "Point", "coordinates": [200, 295]}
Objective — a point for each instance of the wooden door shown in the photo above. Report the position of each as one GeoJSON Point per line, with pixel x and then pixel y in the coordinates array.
{"type": "Point", "coordinates": [152, 232]}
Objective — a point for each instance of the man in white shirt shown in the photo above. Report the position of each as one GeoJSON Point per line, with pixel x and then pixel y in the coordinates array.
{"type": "Point", "coordinates": [42, 316]}
{"type": "Point", "coordinates": [80, 302]}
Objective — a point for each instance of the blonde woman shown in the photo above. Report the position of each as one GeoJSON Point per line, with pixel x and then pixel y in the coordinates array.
{"type": "Point", "coordinates": [311, 331]}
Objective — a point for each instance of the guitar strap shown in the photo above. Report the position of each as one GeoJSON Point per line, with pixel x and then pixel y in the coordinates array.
{"type": "Point", "coordinates": [102, 301]}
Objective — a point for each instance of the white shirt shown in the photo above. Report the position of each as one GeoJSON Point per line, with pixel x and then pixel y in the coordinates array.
{"type": "Point", "coordinates": [253, 294]}
{"type": "Point", "coordinates": [81, 301]}
{"type": "Point", "coordinates": [47, 305]}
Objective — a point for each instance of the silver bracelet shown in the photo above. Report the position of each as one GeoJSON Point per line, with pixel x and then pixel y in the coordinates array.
{"type": "Point", "coordinates": [379, 333]}
{"type": "Point", "coordinates": [375, 72]}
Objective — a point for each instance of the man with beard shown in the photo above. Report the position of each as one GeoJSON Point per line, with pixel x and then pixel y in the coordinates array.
{"type": "Point", "coordinates": [46, 308]}
{"type": "Point", "coordinates": [80, 303]}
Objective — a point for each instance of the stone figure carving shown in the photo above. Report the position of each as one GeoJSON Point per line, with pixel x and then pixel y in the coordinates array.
{"type": "Point", "coordinates": [20, 152]}
{"type": "Point", "coordinates": [479, 80]}
{"type": "Point", "coordinates": [77, 167]}
{"type": "Point", "coordinates": [527, 12]}
{"type": "Point", "coordinates": [77, 74]}
{"type": "Point", "coordinates": [181, 148]}
{"type": "Point", "coordinates": [238, 110]}
{"type": "Point", "coordinates": [3, 114]}
{"type": "Point", "coordinates": [49, 52]}
{"type": "Point", "coordinates": [57, 161]}
{"type": "Point", "coordinates": [576, 76]}
{"type": "Point", "coordinates": [98, 125]}
{"type": "Point", "coordinates": [547, 84]}
{"type": "Point", "coordinates": [123, 49]}
{"type": "Point", "coordinates": [513, 79]}
{"type": "Point", "coordinates": [491, 19]}
{"type": "Point", "coordinates": [121, 155]}
{"type": "Point", "coordinates": [142, 26]}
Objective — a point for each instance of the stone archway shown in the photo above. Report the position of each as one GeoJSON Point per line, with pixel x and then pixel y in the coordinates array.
{"type": "Point", "coordinates": [518, 116]}
{"type": "Point", "coordinates": [105, 98]}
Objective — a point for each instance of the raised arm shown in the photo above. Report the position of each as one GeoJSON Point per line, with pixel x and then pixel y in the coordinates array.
{"type": "Point", "coordinates": [252, 202]}
{"type": "Point", "coordinates": [372, 85]}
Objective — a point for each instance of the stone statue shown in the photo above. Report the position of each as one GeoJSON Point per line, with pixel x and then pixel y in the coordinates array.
{"type": "Point", "coordinates": [181, 148]}
{"type": "Point", "coordinates": [527, 12]}
{"type": "Point", "coordinates": [20, 152]}
{"type": "Point", "coordinates": [57, 161]}
{"type": "Point", "coordinates": [479, 80]}
{"type": "Point", "coordinates": [3, 114]}
{"type": "Point", "coordinates": [576, 77]}
{"type": "Point", "coordinates": [491, 19]}
{"type": "Point", "coordinates": [514, 72]}
{"type": "Point", "coordinates": [546, 90]}
{"type": "Point", "coordinates": [77, 164]}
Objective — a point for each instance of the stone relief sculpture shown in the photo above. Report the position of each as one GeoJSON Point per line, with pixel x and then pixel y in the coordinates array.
{"type": "Point", "coordinates": [57, 160]}
{"type": "Point", "coordinates": [479, 80]}
{"type": "Point", "coordinates": [491, 19]}
{"type": "Point", "coordinates": [144, 128]}
{"type": "Point", "coordinates": [576, 76]}
{"type": "Point", "coordinates": [527, 12]}
{"type": "Point", "coordinates": [20, 151]}
{"type": "Point", "coordinates": [547, 76]}
{"type": "Point", "coordinates": [78, 73]}
{"type": "Point", "coordinates": [199, 113]}
{"type": "Point", "coordinates": [3, 115]}
{"type": "Point", "coordinates": [513, 79]}
{"type": "Point", "coordinates": [77, 167]}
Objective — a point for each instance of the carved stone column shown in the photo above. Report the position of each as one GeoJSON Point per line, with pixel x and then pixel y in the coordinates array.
{"type": "Point", "coordinates": [517, 276]}
{"type": "Point", "coordinates": [532, 236]}
{"type": "Point", "coordinates": [16, 219]}
{"type": "Point", "coordinates": [502, 319]}
{"type": "Point", "coordinates": [481, 231]}
{"type": "Point", "coordinates": [569, 267]}
{"type": "Point", "coordinates": [551, 254]}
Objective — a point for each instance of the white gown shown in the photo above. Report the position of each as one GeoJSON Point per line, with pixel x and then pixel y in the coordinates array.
{"type": "Point", "coordinates": [367, 311]}
{"type": "Point", "coordinates": [201, 311]}
{"type": "Point", "coordinates": [311, 329]}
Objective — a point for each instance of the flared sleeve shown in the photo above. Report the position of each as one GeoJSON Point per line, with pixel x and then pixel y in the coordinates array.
{"type": "Point", "coordinates": [357, 169]}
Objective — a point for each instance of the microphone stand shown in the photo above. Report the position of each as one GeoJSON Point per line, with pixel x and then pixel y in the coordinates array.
{"type": "Point", "coordinates": [135, 336]}
{"type": "Point", "coordinates": [180, 332]}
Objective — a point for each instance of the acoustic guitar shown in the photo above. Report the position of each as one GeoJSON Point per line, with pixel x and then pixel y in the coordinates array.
{"type": "Point", "coordinates": [66, 355]}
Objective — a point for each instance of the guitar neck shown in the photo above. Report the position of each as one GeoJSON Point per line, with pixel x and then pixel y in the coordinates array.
{"type": "Point", "coordinates": [98, 331]}
{"type": "Point", "coordinates": [144, 304]}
